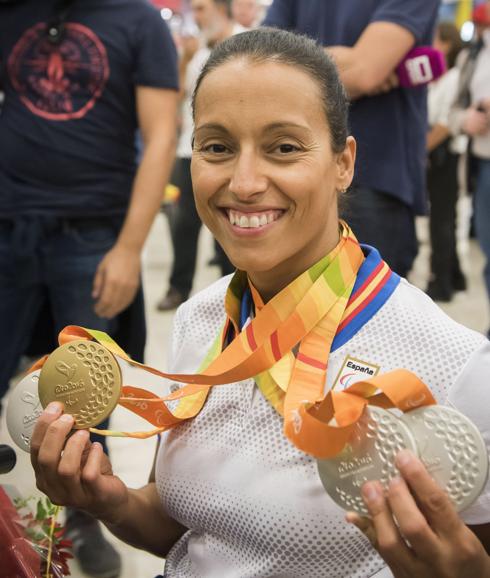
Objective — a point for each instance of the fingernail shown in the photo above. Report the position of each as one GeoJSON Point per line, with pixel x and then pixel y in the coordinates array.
{"type": "Point", "coordinates": [404, 458]}
{"type": "Point", "coordinates": [396, 481]}
{"type": "Point", "coordinates": [67, 418]}
{"type": "Point", "coordinates": [370, 492]}
{"type": "Point", "coordinates": [53, 408]}
{"type": "Point", "coordinates": [350, 518]}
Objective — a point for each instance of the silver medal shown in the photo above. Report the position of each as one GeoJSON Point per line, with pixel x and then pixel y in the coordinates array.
{"type": "Point", "coordinates": [452, 449]}
{"type": "Point", "coordinates": [23, 409]}
{"type": "Point", "coordinates": [369, 455]}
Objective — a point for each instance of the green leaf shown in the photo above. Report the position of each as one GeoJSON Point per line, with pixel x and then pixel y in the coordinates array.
{"type": "Point", "coordinates": [40, 511]}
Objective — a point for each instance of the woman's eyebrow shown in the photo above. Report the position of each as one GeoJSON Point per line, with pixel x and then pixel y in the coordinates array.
{"type": "Point", "coordinates": [287, 124]}
{"type": "Point", "coordinates": [211, 126]}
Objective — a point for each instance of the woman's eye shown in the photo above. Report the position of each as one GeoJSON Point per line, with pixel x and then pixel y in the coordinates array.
{"type": "Point", "coordinates": [215, 148]}
{"type": "Point", "coordinates": [287, 148]}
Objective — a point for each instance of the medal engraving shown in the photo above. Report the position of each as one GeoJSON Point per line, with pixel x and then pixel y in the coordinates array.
{"type": "Point", "coordinates": [23, 409]}
{"type": "Point", "coordinates": [85, 377]}
{"type": "Point", "coordinates": [369, 455]}
{"type": "Point", "coordinates": [452, 450]}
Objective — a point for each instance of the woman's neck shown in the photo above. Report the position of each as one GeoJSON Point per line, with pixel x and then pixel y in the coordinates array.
{"type": "Point", "coordinates": [270, 283]}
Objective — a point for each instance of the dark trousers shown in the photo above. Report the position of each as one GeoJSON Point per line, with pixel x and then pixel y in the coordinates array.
{"type": "Point", "coordinates": [442, 183]}
{"type": "Point", "coordinates": [185, 228]}
{"type": "Point", "coordinates": [384, 222]}
{"type": "Point", "coordinates": [49, 258]}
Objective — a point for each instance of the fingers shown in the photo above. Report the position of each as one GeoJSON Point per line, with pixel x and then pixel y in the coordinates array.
{"type": "Point", "coordinates": [114, 299]}
{"type": "Point", "coordinates": [390, 544]}
{"type": "Point", "coordinates": [116, 281]}
{"type": "Point", "coordinates": [69, 467]}
{"type": "Point", "coordinates": [49, 415]}
{"type": "Point", "coordinates": [434, 502]}
{"type": "Point", "coordinates": [98, 281]}
{"type": "Point", "coordinates": [109, 298]}
{"type": "Point", "coordinates": [412, 523]}
{"type": "Point", "coordinates": [93, 466]}
{"type": "Point", "coordinates": [49, 455]}
{"type": "Point", "coordinates": [116, 295]}
{"type": "Point", "coordinates": [365, 525]}
{"type": "Point", "coordinates": [93, 472]}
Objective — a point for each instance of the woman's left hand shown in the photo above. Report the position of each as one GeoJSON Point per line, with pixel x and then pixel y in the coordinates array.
{"type": "Point", "coordinates": [428, 539]}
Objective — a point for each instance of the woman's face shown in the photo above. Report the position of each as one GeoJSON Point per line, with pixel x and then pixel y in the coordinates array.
{"type": "Point", "coordinates": [264, 174]}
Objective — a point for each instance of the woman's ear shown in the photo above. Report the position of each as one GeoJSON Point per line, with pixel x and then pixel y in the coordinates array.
{"type": "Point", "coordinates": [345, 164]}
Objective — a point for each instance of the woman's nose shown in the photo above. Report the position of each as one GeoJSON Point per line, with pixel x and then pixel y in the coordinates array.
{"type": "Point", "coordinates": [248, 178]}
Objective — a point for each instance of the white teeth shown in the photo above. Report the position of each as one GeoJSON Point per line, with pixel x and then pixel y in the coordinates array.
{"type": "Point", "coordinates": [252, 222]}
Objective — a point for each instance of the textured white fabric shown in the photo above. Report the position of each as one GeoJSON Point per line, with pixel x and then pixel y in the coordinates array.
{"type": "Point", "coordinates": [253, 503]}
{"type": "Point", "coordinates": [441, 97]}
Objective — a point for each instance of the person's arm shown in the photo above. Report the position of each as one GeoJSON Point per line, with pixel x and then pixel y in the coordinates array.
{"type": "Point", "coordinates": [74, 472]}
{"type": "Point", "coordinates": [117, 277]}
{"type": "Point", "coordinates": [144, 524]}
{"type": "Point", "coordinates": [369, 65]}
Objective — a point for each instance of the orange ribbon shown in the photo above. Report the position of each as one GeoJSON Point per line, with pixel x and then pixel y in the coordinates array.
{"type": "Point", "coordinates": [306, 314]}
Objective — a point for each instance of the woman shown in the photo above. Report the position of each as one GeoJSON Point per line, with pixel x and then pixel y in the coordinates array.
{"type": "Point", "coordinates": [232, 496]}
{"type": "Point", "coordinates": [442, 174]}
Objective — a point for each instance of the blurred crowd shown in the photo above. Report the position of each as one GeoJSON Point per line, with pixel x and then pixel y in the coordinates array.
{"type": "Point", "coordinates": [81, 79]}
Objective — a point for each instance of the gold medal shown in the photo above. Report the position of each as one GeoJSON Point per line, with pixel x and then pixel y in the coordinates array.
{"type": "Point", "coordinates": [85, 377]}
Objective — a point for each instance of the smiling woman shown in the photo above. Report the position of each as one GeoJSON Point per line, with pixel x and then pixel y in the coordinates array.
{"type": "Point", "coordinates": [271, 154]}
{"type": "Point", "coordinates": [236, 491]}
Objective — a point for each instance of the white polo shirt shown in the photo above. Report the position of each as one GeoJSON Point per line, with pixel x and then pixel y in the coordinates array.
{"type": "Point", "coordinates": [253, 503]}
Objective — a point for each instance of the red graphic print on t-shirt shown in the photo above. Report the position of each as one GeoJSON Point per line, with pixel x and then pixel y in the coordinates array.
{"type": "Point", "coordinates": [59, 82]}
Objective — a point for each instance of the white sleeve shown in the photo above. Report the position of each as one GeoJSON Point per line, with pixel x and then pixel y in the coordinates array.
{"type": "Point", "coordinates": [446, 97]}
{"type": "Point", "coordinates": [470, 394]}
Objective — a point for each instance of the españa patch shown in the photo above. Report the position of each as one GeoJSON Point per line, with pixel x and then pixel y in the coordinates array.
{"type": "Point", "coordinates": [353, 370]}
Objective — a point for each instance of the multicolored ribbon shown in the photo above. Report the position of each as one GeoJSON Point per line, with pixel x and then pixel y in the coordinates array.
{"type": "Point", "coordinates": [304, 317]}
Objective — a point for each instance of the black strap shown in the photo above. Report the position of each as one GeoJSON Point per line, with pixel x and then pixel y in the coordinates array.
{"type": "Point", "coordinates": [56, 26]}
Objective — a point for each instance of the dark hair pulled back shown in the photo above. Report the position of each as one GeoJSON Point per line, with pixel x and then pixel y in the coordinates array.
{"type": "Point", "coordinates": [270, 44]}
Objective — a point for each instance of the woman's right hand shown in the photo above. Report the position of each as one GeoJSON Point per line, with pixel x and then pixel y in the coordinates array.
{"type": "Point", "coordinates": [75, 472]}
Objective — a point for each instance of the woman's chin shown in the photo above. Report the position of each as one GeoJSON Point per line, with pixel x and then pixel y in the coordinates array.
{"type": "Point", "coordinates": [253, 263]}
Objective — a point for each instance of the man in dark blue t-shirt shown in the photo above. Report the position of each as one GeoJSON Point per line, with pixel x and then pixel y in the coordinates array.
{"type": "Point", "coordinates": [367, 40]}
{"type": "Point", "coordinates": [75, 210]}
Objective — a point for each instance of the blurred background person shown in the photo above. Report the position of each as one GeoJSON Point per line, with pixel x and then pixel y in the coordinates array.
{"type": "Point", "coordinates": [214, 21]}
{"type": "Point", "coordinates": [442, 174]}
{"type": "Point", "coordinates": [471, 115]}
{"type": "Point", "coordinates": [367, 41]}
{"type": "Point", "coordinates": [246, 12]}
{"type": "Point", "coordinates": [79, 77]}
